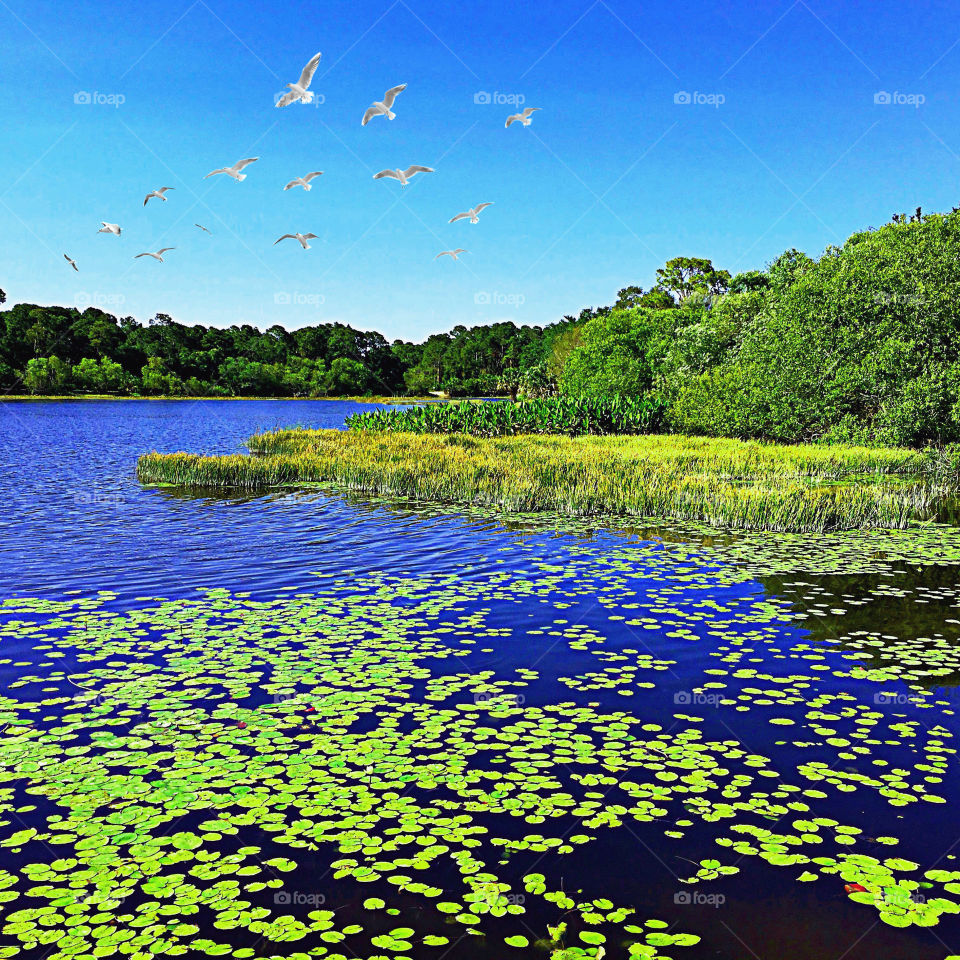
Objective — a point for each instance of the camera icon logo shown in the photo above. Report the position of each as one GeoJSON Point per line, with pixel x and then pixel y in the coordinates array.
{"type": "Point", "coordinates": [81, 96]}
{"type": "Point", "coordinates": [481, 97]}
{"type": "Point", "coordinates": [681, 96]}
{"type": "Point", "coordinates": [881, 97]}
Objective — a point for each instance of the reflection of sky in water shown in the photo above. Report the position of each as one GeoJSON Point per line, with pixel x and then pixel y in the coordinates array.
{"type": "Point", "coordinates": [730, 635]}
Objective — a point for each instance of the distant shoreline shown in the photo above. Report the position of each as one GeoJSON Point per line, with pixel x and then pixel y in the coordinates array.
{"type": "Point", "coordinates": [107, 396]}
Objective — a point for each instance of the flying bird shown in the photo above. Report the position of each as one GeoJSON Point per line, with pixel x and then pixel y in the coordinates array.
{"type": "Point", "coordinates": [298, 90]}
{"type": "Point", "coordinates": [450, 253]}
{"type": "Point", "coordinates": [303, 181]}
{"type": "Point", "coordinates": [157, 193]}
{"type": "Point", "coordinates": [234, 171]}
{"type": "Point", "coordinates": [402, 175]}
{"type": "Point", "coordinates": [157, 255]}
{"type": "Point", "coordinates": [202, 227]}
{"type": "Point", "coordinates": [302, 237]}
{"type": "Point", "coordinates": [73, 263]}
{"type": "Point", "coordinates": [382, 107]}
{"type": "Point", "coordinates": [524, 117]}
{"type": "Point", "coordinates": [113, 228]}
{"type": "Point", "coordinates": [472, 214]}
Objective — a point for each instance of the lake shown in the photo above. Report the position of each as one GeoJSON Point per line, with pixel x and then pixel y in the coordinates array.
{"type": "Point", "coordinates": [316, 724]}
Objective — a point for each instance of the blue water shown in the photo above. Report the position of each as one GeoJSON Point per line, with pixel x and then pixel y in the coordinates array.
{"type": "Point", "coordinates": [77, 520]}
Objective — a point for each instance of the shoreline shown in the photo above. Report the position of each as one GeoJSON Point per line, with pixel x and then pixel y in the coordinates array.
{"type": "Point", "coordinates": [39, 398]}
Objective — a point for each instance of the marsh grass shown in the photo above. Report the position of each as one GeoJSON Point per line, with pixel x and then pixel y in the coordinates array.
{"type": "Point", "coordinates": [726, 483]}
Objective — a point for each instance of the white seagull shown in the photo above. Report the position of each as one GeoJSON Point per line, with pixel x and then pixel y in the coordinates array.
{"type": "Point", "coordinates": [402, 175]}
{"type": "Point", "coordinates": [302, 237]}
{"type": "Point", "coordinates": [472, 214]}
{"type": "Point", "coordinates": [73, 263]}
{"type": "Point", "coordinates": [382, 107]}
{"type": "Point", "coordinates": [524, 117]}
{"type": "Point", "coordinates": [202, 227]}
{"type": "Point", "coordinates": [303, 181]}
{"type": "Point", "coordinates": [451, 253]}
{"type": "Point", "coordinates": [157, 255]}
{"type": "Point", "coordinates": [157, 193]}
{"type": "Point", "coordinates": [234, 171]}
{"type": "Point", "coordinates": [113, 228]}
{"type": "Point", "coordinates": [298, 90]}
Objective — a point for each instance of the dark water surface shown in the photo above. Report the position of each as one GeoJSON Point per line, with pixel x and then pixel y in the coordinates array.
{"type": "Point", "coordinates": [228, 723]}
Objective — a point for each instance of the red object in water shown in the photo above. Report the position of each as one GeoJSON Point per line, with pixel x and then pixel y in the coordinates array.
{"type": "Point", "coordinates": [854, 888]}
{"type": "Point", "coordinates": [241, 725]}
{"type": "Point", "coordinates": [311, 709]}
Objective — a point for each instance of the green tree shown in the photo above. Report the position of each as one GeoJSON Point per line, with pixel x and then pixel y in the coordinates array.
{"type": "Point", "coordinates": [98, 376]}
{"type": "Point", "coordinates": [46, 375]}
{"type": "Point", "coordinates": [684, 276]}
{"type": "Point", "coordinates": [346, 378]}
{"type": "Point", "coordinates": [611, 357]}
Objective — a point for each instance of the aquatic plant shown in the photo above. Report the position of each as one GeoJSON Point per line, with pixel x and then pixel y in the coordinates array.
{"type": "Point", "coordinates": [572, 416]}
{"type": "Point", "coordinates": [337, 772]}
{"type": "Point", "coordinates": [722, 482]}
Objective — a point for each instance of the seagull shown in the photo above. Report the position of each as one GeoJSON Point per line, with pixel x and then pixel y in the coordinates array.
{"type": "Point", "coordinates": [302, 237]}
{"type": "Point", "coordinates": [402, 175]}
{"type": "Point", "coordinates": [73, 263]}
{"type": "Point", "coordinates": [524, 117]}
{"type": "Point", "coordinates": [472, 214]}
{"type": "Point", "coordinates": [450, 253]}
{"type": "Point", "coordinates": [298, 90]}
{"type": "Point", "coordinates": [202, 227]}
{"type": "Point", "coordinates": [157, 193]}
{"type": "Point", "coordinates": [382, 107]}
{"type": "Point", "coordinates": [109, 228]}
{"type": "Point", "coordinates": [234, 171]}
{"type": "Point", "coordinates": [157, 255]}
{"type": "Point", "coordinates": [303, 181]}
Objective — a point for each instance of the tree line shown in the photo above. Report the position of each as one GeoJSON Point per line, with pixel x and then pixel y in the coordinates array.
{"type": "Point", "coordinates": [861, 344]}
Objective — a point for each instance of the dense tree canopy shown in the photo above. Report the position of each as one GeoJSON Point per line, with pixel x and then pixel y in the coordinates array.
{"type": "Point", "coordinates": [862, 343]}
{"type": "Point", "coordinates": [47, 350]}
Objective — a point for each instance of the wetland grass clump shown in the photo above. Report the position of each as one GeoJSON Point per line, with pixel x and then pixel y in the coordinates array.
{"type": "Point", "coordinates": [728, 483]}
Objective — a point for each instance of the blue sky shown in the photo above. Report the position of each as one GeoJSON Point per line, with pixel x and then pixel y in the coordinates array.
{"type": "Point", "coordinates": [780, 144]}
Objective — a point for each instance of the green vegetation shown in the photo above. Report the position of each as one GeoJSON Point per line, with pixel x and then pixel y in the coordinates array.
{"type": "Point", "coordinates": [374, 764]}
{"type": "Point", "coordinates": [573, 416]}
{"type": "Point", "coordinates": [47, 351]}
{"type": "Point", "coordinates": [862, 345]}
{"type": "Point", "coordinates": [721, 482]}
